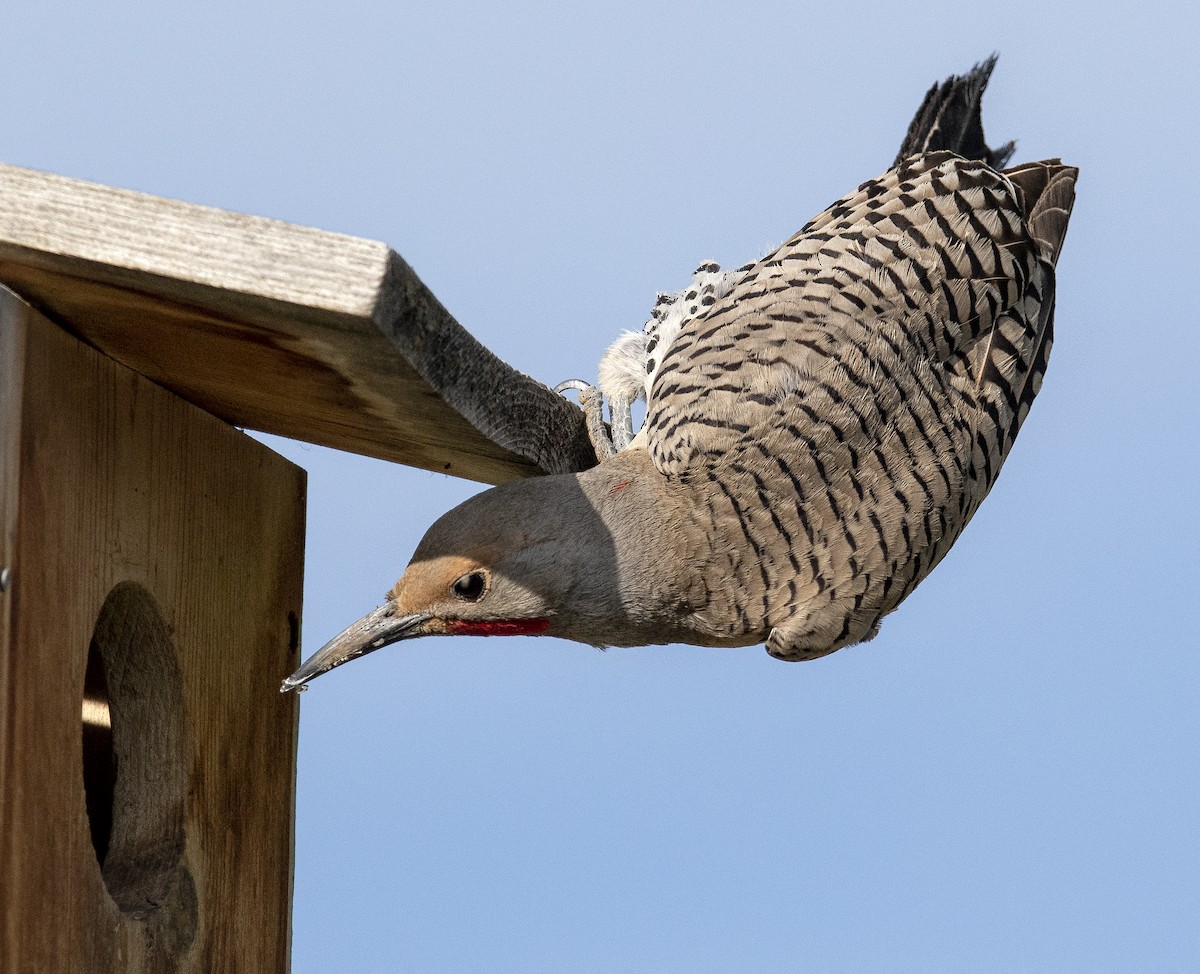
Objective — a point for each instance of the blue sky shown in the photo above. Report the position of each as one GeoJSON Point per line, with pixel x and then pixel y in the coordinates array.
{"type": "Point", "coordinates": [1007, 779]}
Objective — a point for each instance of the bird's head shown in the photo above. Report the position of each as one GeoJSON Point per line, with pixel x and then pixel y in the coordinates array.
{"type": "Point", "coordinates": [526, 558]}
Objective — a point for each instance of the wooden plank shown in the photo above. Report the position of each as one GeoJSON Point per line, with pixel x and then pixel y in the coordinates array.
{"type": "Point", "coordinates": [12, 371]}
{"type": "Point", "coordinates": [286, 329]}
{"type": "Point", "coordinates": [125, 488]}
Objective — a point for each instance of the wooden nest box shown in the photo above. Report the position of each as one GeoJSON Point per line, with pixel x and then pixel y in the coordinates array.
{"type": "Point", "coordinates": [151, 554]}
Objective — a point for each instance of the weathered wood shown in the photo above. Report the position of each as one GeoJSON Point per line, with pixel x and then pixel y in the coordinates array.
{"type": "Point", "coordinates": [281, 328]}
{"type": "Point", "coordinates": [144, 532]}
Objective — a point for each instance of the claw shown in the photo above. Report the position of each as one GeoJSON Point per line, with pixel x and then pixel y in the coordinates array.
{"type": "Point", "coordinates": [621, 411]}
{"type": "Point", "coordinates": [591, 401]}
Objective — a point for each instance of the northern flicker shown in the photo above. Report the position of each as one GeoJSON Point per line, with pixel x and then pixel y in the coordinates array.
{"type": "Point", "coordinates": [821, 424]}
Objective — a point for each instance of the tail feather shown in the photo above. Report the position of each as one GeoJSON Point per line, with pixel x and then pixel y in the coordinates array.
{"type": "Point", "coordinates": [949, 118]}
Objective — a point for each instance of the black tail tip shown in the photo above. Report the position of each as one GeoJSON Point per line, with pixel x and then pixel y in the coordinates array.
{"type": "Point", "coordinates": [950, 119]}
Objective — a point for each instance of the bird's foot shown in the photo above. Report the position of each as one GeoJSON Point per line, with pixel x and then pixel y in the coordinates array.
{"type": "Point", "coordinates": [591, 401]}
{"type": "Point", "coordinates": [621, 417]}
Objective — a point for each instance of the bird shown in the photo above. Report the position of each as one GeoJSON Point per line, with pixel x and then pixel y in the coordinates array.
{"type": "Point", "coordinates": [821, 424]}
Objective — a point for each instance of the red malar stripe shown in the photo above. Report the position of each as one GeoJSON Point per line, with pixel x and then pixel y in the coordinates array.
{"type": "Point", "coordinates": [498, 627]}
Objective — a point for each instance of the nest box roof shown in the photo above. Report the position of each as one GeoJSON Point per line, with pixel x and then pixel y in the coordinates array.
{"type": "Point", "coordinates": [285, 329]}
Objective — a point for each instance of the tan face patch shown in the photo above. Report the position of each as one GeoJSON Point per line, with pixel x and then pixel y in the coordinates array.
{"type": "Point", "coordinates": [426, 585]}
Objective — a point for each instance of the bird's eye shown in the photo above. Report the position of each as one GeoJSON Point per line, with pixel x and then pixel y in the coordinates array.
{"type": "Point", "coordinates": [470, 587]}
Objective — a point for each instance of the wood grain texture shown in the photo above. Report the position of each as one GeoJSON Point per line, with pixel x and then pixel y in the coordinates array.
{"type": "Point", "coordinates": [111, 485]}
{"type": "Point", "coordinates": [286, 329]}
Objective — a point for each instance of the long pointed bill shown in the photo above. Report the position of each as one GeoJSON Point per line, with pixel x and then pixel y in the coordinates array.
{"type": "Point", "coordinates": [373, 631]}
